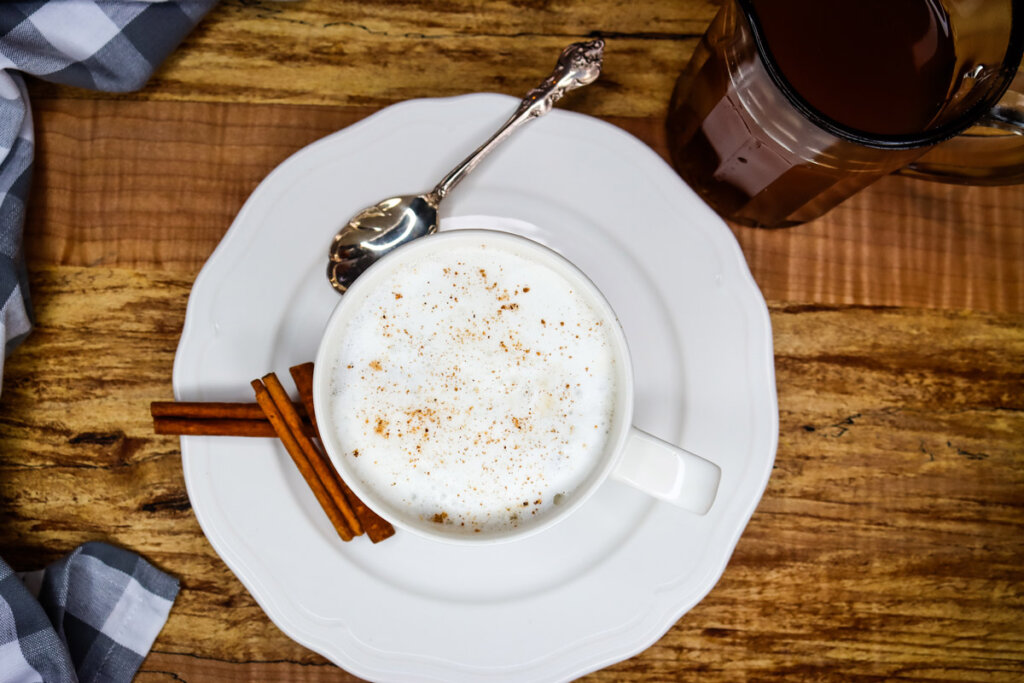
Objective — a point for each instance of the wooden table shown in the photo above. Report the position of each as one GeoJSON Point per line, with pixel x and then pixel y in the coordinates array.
{"type": "Point", "coordinates": [890, 541]}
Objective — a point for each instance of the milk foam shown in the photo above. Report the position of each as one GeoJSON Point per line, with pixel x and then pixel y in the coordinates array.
{"type": "Point", "coordinates": [473, 388]}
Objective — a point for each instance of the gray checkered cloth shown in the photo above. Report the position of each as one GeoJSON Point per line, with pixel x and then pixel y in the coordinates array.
{"type": "Point", "coordinates": [106, 45]}
{"type": "Point", "coordinates": [92, 616]}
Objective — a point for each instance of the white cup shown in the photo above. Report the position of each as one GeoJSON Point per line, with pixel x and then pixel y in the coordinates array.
{"type": "Point", "coordinates": [654, 466]}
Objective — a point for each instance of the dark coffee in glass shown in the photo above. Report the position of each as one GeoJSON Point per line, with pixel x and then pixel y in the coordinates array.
{"type": "Point", "coordinates": [787, 107]}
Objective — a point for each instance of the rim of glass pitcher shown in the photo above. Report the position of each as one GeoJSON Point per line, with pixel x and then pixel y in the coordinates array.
{"type": "Point", "coordinates": [1011, 62]}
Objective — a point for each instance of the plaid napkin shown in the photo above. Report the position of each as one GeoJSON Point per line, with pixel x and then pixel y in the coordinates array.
{"type": "Point", "coordinates": [90, 617]}
{"type": "Point", "coordinates": [94, 615]}
{"type": "Point", "coordinates": [112, 45]}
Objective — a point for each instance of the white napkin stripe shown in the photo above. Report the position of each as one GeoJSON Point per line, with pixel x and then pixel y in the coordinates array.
{"type": "Point", "coordinates": [61, 24]}
{"type": "Point", "coordinates": [14, 668]}
{"type": "Point", "coordinates": [137, 618]}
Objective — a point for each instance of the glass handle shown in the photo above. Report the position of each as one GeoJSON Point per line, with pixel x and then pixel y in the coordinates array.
{"type": "Point", "coordinates": [990, 153]}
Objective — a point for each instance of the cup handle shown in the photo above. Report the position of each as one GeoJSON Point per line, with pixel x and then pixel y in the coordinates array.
{"type": "Point", "coordinates": [989, 153]}
{"type": "Point", "coordinates": [668, 472]}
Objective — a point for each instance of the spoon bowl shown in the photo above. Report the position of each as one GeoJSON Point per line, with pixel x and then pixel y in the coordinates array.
{"type": "Point", "coordinates": [377, 230]}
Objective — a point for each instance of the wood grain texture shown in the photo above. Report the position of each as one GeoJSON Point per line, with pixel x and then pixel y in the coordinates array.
{"type": "Point", "coordinates": [168, 667]}
{"type": "Point", "coordinates": [156, 185]}
{"type": "Point", "coordinates": [377, 53]}
{"type": "Point", "coordinates": [888, 545]}
{"type": "Point", "coordinates": [901, 242]}
{"type": "Point", "coordinates": [890, 542]}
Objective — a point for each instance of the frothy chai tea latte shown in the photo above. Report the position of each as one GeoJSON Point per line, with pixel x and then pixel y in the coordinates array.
{"type": "Point", "coordinates": [474, 387]}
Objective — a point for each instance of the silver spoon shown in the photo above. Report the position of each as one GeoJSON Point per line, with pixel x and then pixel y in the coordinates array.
{"type": "Point", "coordinates": [392, 222]}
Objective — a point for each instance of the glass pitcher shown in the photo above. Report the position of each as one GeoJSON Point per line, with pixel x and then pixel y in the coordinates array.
{"type": "Point", "coordinates": [771, 126]}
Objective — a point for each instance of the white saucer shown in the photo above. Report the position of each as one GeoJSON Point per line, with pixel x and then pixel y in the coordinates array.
{"type": "Point", "coordinates": [601, 586]}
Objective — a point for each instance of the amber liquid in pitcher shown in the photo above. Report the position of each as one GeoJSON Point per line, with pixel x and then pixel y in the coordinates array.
{"type": "Point", "coordinates": [879, 67]}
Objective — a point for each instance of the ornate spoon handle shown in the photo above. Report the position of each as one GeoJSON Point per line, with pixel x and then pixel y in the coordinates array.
{"type": "Point", "coordinates": [579, 65]}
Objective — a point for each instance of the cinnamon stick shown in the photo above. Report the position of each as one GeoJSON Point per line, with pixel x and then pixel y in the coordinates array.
{"type": "Point", "coordinates": [302, 375]}
{"type": "Point", "coordinates": [211, 410]}
{"type": "Point", "coordinates": [187, 426]}
{"type": "Point", "coordinates": [214, 418]}
{"type": "Point", "coordinates": [207, 410]}
{"type": "Point", "coordinates": [323, 468]}
{"type": "Point", "coordinates": [377, 528]}
{"type": "Point", "coordinates": [296, 427]}
{"type": "Point", "coordinates": [271, 410]}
